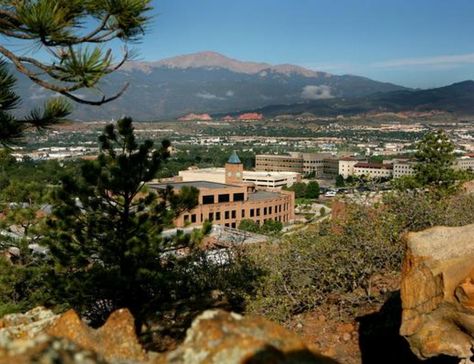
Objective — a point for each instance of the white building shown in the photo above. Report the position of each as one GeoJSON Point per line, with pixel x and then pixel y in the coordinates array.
{"type": "Point", "coordinates": [262, 179]}
{"type": "Point", "coordinates": [465, 163]}
{"type": "Point", "coordinates": [403, 168]}
{"type": "Point", "coordinates": [346, 166]}
{"type": "Point", "coordinates": [373, 170]}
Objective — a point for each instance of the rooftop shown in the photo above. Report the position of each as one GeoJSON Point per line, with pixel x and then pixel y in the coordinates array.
{"type": "Point", "coordinates": [221, 171]}
{"type": "Point", "coordinates": [234, 158]}
{"type": "Point", "coordinates": [263, 195]}
{"type": "Point", "coordinates": [278, 156]}
{"type": "Point", "coordinates": [196, 184]}
{"type": "Point", "coordinates": [374, 165]}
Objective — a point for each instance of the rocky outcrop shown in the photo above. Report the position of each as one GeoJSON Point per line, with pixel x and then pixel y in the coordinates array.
{"type": "Point", "coordinates": [219, 337]}
{"type": "Point", "coordinates": [40, 336]}
{"type": "Point", "coordinates": [193, 117]}
{"type": "Point", "coordinates": [115, 340]}
{"type": "Point", "coordinates": [437, 292]}
{"type": "Point", "coordinates": [250, 116]}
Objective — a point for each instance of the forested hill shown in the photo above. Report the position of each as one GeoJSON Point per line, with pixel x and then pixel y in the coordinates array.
{"type": "Point", "coordinates": [457, 98]}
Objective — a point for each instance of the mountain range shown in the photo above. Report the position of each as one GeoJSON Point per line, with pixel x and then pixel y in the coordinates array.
{"type": "Point", "coordinates": [208, 82]}
{"type": "Point", "coordinates": [457, 98]}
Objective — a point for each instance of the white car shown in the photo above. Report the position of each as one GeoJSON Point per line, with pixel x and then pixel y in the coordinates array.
{"type": "Point", "coordinates": [330, 194]}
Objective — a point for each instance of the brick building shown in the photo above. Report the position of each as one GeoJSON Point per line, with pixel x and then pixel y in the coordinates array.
{"type": "Point", "coordinates": [229, 203]}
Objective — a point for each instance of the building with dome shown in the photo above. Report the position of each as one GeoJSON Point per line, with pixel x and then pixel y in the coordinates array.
{"type": "Point", "coordinates": [233, 172]}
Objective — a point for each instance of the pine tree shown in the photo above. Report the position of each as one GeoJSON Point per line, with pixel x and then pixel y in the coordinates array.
{"type": "Point", "coordinates": [105, 233]}
{"type": "Point", "coordinates": [12, 128]}
{"type": "Point", "coordinates": [73, 35]}
{"type": "Point", "coordinates": [435, 157]}
{"type": "Point", "coordinates": [312, 190]}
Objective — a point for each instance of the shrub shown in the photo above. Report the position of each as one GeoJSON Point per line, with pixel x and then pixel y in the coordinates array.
{"type": "Point", "coordinates": [308, 270]}
{"type": "Point", "coordinates": [336, 264]}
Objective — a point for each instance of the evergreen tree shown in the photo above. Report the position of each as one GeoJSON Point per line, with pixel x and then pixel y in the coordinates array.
{"type": "Point", "coordinates": [12, 128]}
{"type": "Point", "coordinates": [435, 157]}
{"type": "Point", "coordinates": [77, 58]}
{"type": "Point", "coordinates": [105, 232]}
{"type": "Point", "coordinates": [312, 190]}
{"type": "Point", "coordinates": [340, 181]}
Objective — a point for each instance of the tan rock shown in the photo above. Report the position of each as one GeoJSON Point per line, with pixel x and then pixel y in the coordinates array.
{"type": "Point", "coordinates": [18, 331]}
{"type": "Point", "coordinates": [437, 292]}
{"type": "Point", "coordinates": [227, 338]}
{"type": "Point", "coordinates": [115, 340]}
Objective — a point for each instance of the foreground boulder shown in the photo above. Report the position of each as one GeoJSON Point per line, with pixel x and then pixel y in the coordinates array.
{"type": "Point", "coordinates": [40, 336]}
{"type": "Point", "coordinates": [437, 292]}
{"type": "Point", "coordinates": [43, 337]}
{"type": "Point", "coordinates": [219, 337]}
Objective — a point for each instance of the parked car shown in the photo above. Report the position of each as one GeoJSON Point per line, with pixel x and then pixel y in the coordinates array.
{"type": "Point", "coordinates": [330, 194]}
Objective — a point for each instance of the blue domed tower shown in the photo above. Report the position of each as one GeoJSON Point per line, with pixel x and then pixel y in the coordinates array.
{"type": "Point", "coordinates": [234, 170]}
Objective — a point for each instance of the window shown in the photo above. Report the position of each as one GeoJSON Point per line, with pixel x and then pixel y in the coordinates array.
{"type": "Point", "coordinates": [233, 225]}
{"type": "Point", "coordinates": [224, 198]}
{"type": "Point", "coordinates": [238, 196]}
{"type": "Point", "coordinates": [193, 218]}
{"type": "Point", "coordinates": [211, 216]}
{"type": "Point", "coordinates": [202, 218]}
{"type": "Point", "coordinates": [186, 218]}
{"type": "Point", "coordinates": [270, 210]}
{"type": "Point", "coordinates": [258, 212]}
{"type": "Point", "coordinates": [252, 212]}
{"type": "Point", "coordinates": [234, 214]}
{"type": "Point", "coordinates": [226, 214]}
{"type": "Point", "coordinates": [264, 210]}
{"type": "Point", "coordinates": [218, 215]}
{"type": "Point", "coordinates": [207, 200]}
{"type": "Point", "coordinates": [243, 213]}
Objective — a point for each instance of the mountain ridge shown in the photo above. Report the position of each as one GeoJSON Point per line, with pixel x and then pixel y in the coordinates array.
{"type": "Point", "coordinates": [206, 82]}
{"type": "Point", "coordinates": [208, 59]}
{"type": "Point", "coordinates": [457, 98]}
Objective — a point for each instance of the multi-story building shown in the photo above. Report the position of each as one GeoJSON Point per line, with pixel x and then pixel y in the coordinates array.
{"type": "Point", "coordinates": [278, 163]}
{"type": "Point", "coordinates": [233, 201]}
{"type": "Point", "coordinates": [406, 167]}
{"type": "Point", "coordinates": [269, 180]}
{"type": "Point", "coordinates": [373, 170]}
{"type": "Point", "coordinates": [314, 163]}
{"type": "Point", "coordinates": [321, 164]}
{"type": "Point", "coordinates": [346, 166]}
{"type": "Point", "coordinates": [403, 168]}
{"type": "Point", "coordinates": [465, 163]}
{"type": "Point", "coordinates": [330, 167]}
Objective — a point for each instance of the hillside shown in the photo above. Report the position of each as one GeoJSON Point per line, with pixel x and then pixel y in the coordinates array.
{"type": "Point", "coordinates": [457, 98]}
{"type": "Point", "coordinates": [208, 82]}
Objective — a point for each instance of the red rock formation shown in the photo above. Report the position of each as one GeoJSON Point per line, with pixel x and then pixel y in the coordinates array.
{"type": "Point", "coordinates": [250, 116]}
{"type": "Point", "coordinates": [192, 117]}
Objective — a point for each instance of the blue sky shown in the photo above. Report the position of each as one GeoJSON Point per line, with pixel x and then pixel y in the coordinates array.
{"type": "Point", "coordinates": [418, 43]}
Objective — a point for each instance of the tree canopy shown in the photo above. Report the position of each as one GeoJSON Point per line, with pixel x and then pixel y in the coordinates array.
{"type": "Point", "coordinates": [105, 231]}
{"type": "Point", "coordinates": [435, 158]}
{"type": "Point", "coordinates": [73, 36]}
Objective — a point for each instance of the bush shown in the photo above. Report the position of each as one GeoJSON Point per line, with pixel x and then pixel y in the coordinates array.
{"type": "Point", "coordinates": [336, 265]}
{"type": "Point", "coordinates": [308, 270]}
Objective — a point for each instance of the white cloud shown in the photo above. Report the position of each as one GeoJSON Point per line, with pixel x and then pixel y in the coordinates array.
{"type": "Point", "coordinates": [229, 93]}
{"type": "Point", "coordinates": [435, 61]}
{"type": "Point", "coordinates": [208, 96]}
{"type": "Point", "coordinates": [312, 92]}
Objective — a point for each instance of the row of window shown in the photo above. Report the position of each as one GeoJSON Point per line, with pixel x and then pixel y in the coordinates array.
{"type": "Point", "coordinates": [217, 216]}
{"type": "Point", "coordinates": [225, 197]}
